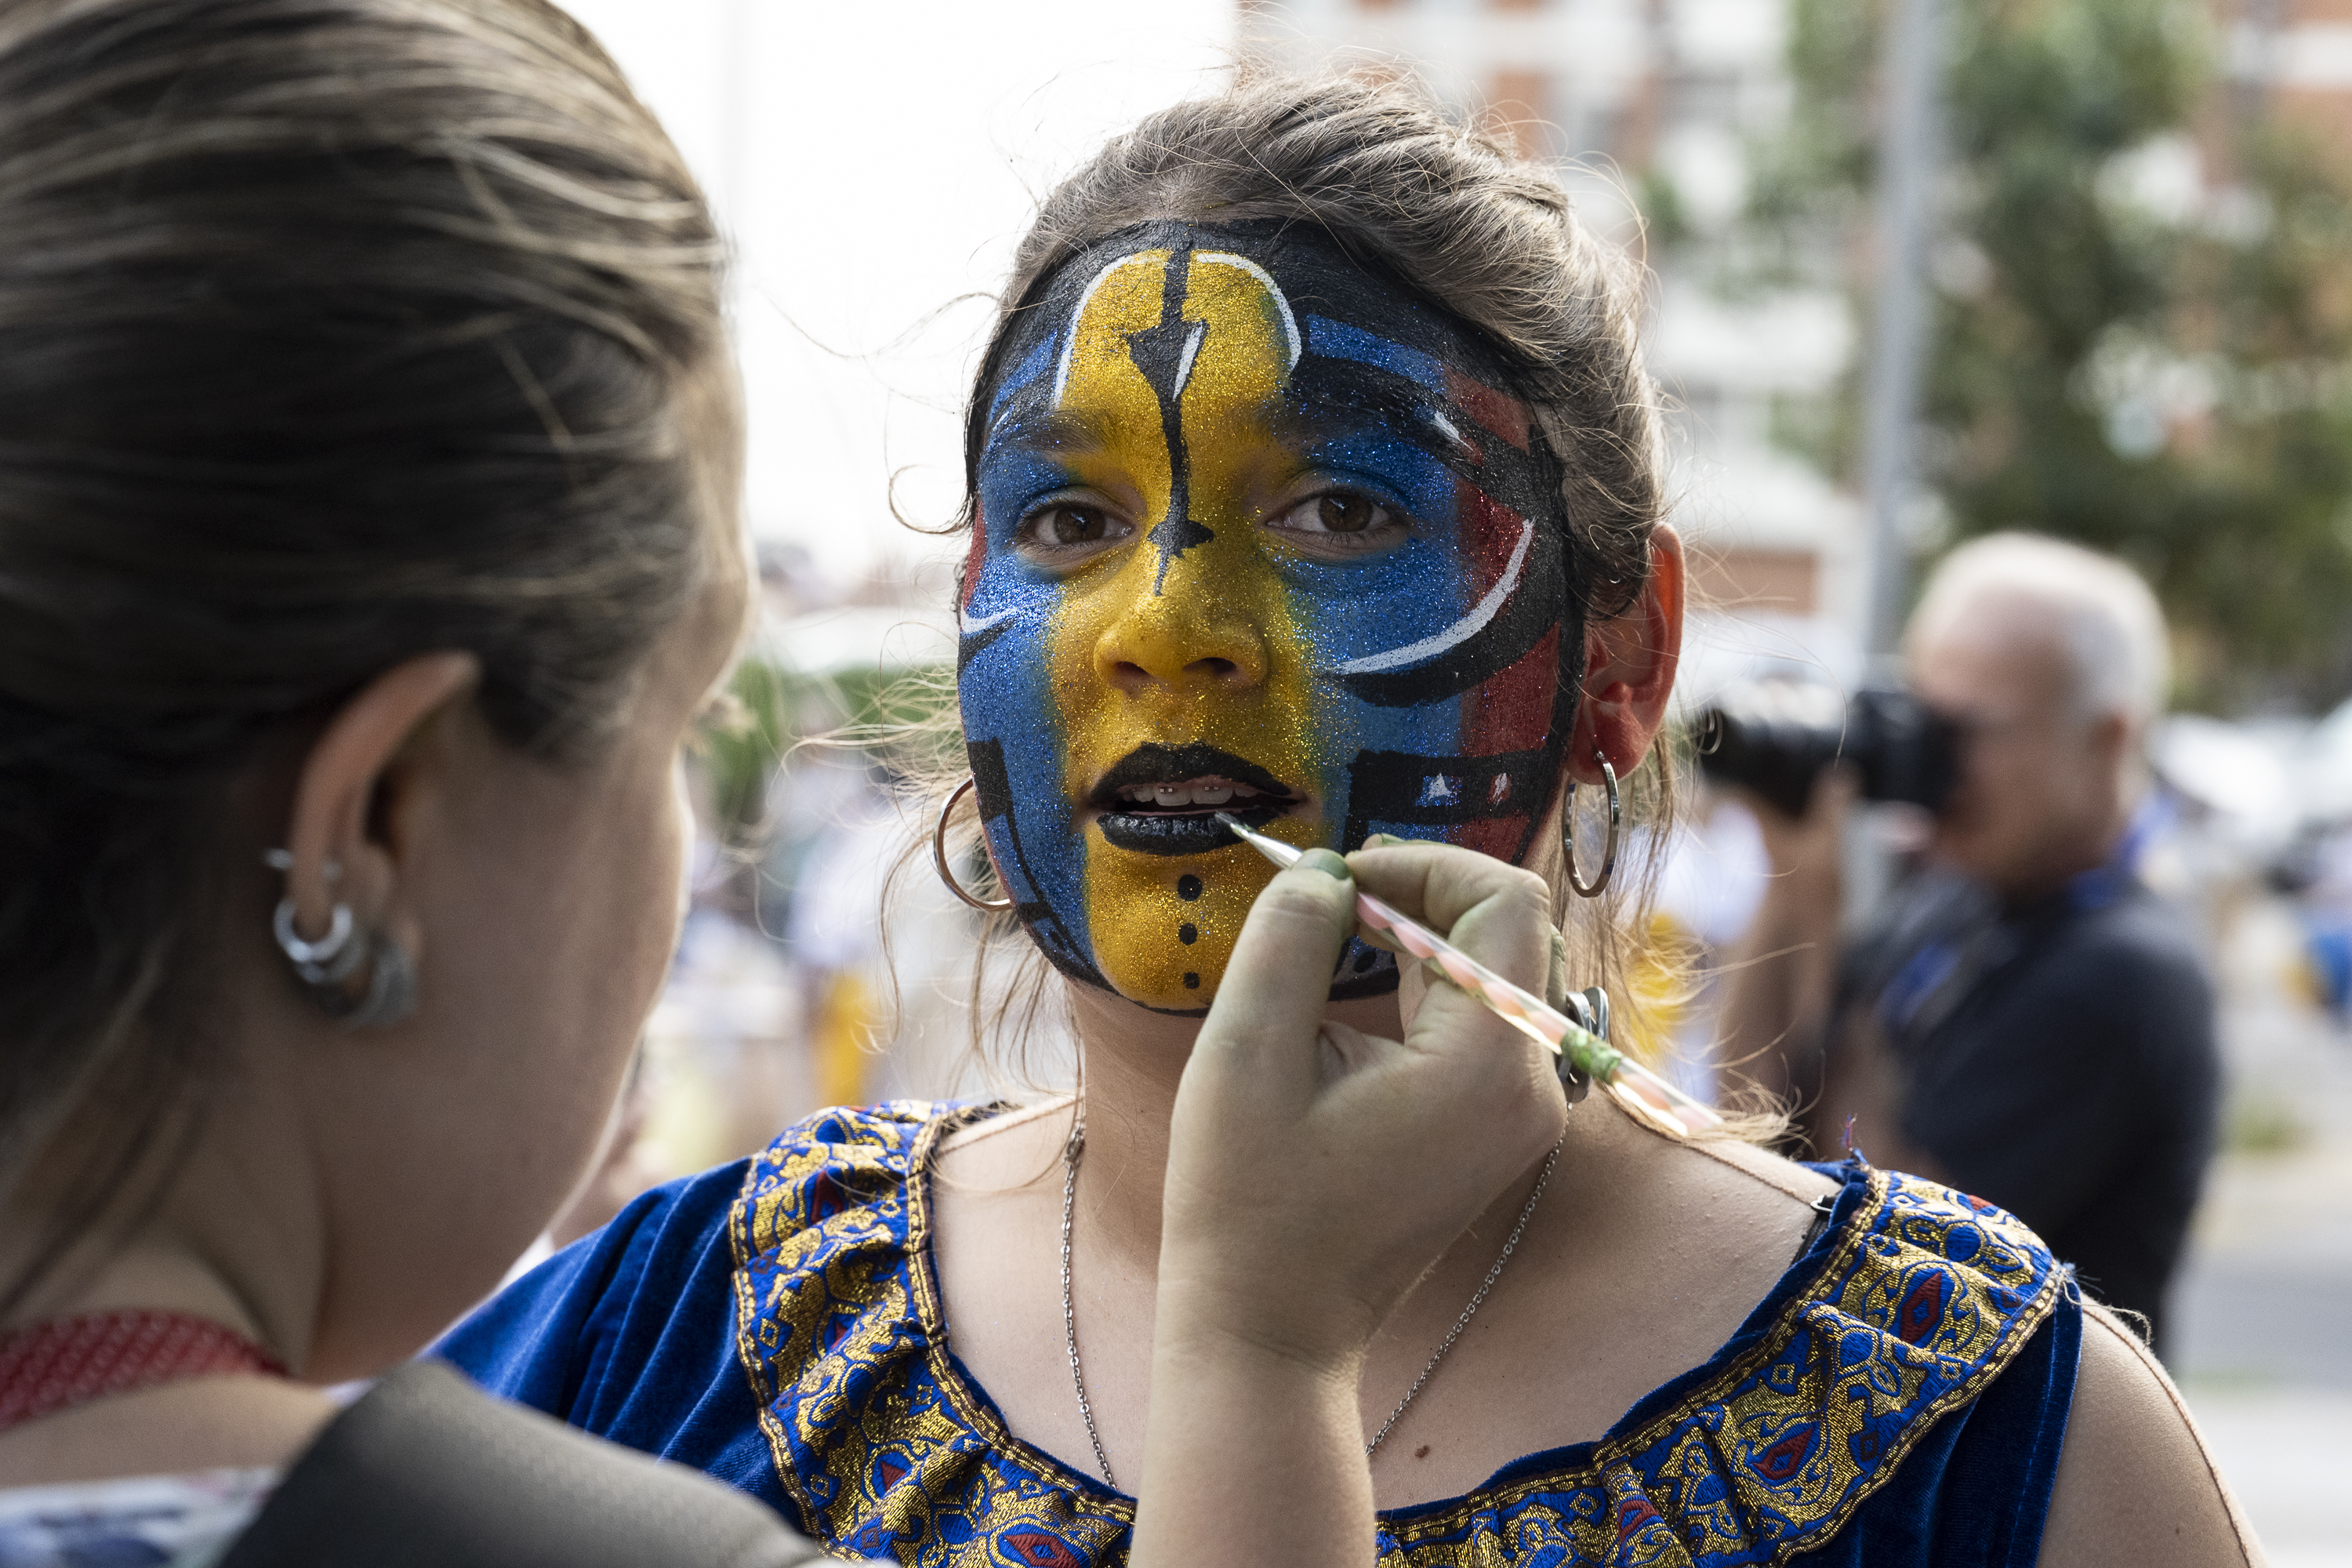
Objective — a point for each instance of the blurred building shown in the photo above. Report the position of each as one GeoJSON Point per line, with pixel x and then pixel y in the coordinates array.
{"type": "Point", "coordinates": [1647, 108]}
{"type": "Point", "coordinates": [2293, 58]}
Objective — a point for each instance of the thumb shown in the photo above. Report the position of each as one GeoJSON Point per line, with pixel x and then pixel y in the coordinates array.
{"type": "Point", "coordinates": [1269, 1005]}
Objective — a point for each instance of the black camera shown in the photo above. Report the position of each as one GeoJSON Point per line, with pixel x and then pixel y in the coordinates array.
{"type": "Point", "coordinates": [1776, 736]}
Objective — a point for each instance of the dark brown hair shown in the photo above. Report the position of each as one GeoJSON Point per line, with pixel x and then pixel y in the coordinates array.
{"type": "Point", "coordinates": [331, 333]}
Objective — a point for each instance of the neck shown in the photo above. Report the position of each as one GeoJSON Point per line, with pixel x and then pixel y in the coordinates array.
{"type": "Point", "coordinates": [217, 1248]}
{"type": "Point", "coordinates": [150, 1274]}
{"type": "Point", "coordinates": [230, 1232]}
{"type": "Point", "coordinates": [1134, 1060]}
{"type": "Point", "coordinates": [2062, 859]}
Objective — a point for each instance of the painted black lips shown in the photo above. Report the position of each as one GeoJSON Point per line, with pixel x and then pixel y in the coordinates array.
{"type": "Point", "coordinates": [1185, 830]}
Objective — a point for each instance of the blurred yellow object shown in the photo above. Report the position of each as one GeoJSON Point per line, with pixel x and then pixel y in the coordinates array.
{"type": "Point", "coordinates": [1658, 980]}
{"type": "Point", "coordinates": [2299, 978]}
{"type": "Point", "coordinates": [846, 1022]}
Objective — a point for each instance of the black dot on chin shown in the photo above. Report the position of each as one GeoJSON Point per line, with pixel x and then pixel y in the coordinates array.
{"type": "Point", "coordinates": [1191, 982]}
{"type": "Point", "coordinates": [1188, 887]}
{"type": "Point", "coordinates": [1187, 933]}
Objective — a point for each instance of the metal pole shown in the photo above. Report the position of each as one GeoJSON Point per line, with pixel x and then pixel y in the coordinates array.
{"type": "Point", "coordinates": [1911, 65]}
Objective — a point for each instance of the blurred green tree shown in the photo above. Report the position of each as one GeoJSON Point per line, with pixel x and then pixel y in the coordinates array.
{"type": "Point", "coordinates": [2144, 323]}
{"type": "Point", "coordinates": [902, 720]}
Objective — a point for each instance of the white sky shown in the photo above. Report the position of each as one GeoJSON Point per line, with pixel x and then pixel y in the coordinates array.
{"type": "Point", "coordinates": [873, 163]}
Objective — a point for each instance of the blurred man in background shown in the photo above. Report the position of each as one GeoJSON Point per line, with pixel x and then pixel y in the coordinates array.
{"type": "Point", "coordinates": [2020, 1017]}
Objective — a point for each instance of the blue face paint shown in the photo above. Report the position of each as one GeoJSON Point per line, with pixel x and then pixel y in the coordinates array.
{"type": "Point", "coordinates": [1255, 530]}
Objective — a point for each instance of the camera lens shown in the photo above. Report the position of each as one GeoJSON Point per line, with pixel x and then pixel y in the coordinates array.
{"type": "Point", "coordinates": [1775, 737]}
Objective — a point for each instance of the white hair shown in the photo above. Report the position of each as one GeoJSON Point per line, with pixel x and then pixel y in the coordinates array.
{"type": "Point", "coordinates": [2108, 620]}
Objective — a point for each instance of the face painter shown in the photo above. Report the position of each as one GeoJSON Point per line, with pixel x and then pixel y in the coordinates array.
{"type": "Point", "coordinates": [1258, 530]}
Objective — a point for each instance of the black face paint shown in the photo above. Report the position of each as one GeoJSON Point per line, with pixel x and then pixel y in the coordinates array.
{"type": "Point", "coordinates": [1262, 531]}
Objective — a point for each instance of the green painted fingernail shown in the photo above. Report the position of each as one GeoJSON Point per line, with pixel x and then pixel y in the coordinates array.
{"type": "Point", "coordinates": [1330, 865]}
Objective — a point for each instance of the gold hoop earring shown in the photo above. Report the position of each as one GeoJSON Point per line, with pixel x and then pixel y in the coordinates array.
{"type": "Point", "coordinates": [1599, 884]}
{"type": "Point", "coordinates": [940, 852]}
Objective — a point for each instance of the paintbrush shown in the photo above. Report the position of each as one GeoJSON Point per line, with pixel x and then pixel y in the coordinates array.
{"type": "Point", "coordinates": [1648, 1098]}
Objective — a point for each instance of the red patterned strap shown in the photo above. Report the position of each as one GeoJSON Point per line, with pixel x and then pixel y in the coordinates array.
{"type": "Point", "coordinates": [54, 1366]}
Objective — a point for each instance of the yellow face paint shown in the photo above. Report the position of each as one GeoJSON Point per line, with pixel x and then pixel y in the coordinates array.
{"type": "Point", "coordinates": [1228, 557]}
{"type": "Point", "coordinates": [1198, 650]}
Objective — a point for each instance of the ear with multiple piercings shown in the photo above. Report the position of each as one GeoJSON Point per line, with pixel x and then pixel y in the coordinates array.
{"type": "Point", "coordinates": [328, 965]}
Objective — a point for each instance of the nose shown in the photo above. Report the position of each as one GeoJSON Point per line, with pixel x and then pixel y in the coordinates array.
{"type": "Point", "coordinates": [1185, 637]}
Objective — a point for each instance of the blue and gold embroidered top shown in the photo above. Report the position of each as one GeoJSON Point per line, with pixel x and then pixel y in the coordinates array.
{"type": "Point", "coordinates": [1899, 1398]}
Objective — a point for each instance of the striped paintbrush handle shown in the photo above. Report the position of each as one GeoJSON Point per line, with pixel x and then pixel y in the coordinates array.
{"type": "Point", "coordinates": [1651, 1098]}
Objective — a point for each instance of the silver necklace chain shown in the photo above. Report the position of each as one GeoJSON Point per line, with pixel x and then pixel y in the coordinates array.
{"type": "Point", "coordinates": [1077, 1146]}
{"type": "Point", "coordinates": [1070, 1152]}
{"type": "Point", "coordinates": [1510, 1244]}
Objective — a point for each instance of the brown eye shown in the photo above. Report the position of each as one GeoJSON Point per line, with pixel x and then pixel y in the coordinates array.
{"type": "Point", "coordinates": [1075, 525]}
{"type": "Point", "coordinates": [1061, 534]}
{"type": "Point", "coordinates": [1348, 512]}
{"type": "Point", "coordinates": [1341, 525]}
{"type": "Point", "coordinates": [1344, 513]}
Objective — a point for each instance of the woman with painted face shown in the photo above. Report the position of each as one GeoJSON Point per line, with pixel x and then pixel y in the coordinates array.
{"type": "Point", "coordinates": [368, 549]}
{"type": "Point", "coordinates": [1314, 480]}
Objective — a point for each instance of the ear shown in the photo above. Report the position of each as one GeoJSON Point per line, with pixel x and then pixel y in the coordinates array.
{"type": "Point", "coordinates": [335, 817]}
{"type": "Point", "coordinates": [2115, 742]}
{"type": "Point", "coordinates": [1629, 669]}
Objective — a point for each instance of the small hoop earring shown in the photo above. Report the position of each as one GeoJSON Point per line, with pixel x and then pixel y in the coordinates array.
{"type": "Point", "coordinates": [331, 871]}
{"type": "Point", "coordinates": [940, 852]}
{"type": "Point", "coordinates": [326, 962]}
{"type": "Point", "coordinates": [1599, 884]}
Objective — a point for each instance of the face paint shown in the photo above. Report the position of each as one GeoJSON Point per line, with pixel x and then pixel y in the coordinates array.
{"type": "Point", "coordinates": [1257, 531]}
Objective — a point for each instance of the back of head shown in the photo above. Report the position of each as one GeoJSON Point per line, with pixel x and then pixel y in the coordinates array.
{"type": "Point", "coordinates": [331, 333]}
{"type": "Point", "coordinates": [2107, 622]}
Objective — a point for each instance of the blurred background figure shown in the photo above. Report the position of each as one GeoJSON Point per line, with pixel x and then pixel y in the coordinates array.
{"type": "Point", "coordinates": [2317, 872]}
{"type": "Point", "coordinates": [2019, 1016]}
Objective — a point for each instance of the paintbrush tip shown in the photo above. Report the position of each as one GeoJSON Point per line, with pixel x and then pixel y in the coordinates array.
{"type": "Point", "coordinates": [1274, 849]}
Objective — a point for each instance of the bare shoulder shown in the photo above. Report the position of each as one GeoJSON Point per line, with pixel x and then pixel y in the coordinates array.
{"type": "Point", "coordinates": [1736, 1201]}
{"type": "Point", "coordinates": [1759, 1173]}
{"type": "Point", "coordinates": [2135, 1485]}
{"type": "Point", "coordinates": [1718, 1185]}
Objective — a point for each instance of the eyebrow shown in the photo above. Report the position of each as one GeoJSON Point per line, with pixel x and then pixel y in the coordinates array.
{"type": "Point", "coordinates": [1045, 431]}
{"type": "Point", "coordinates": [1316, 407]}
{"type": "Point", "coordinates": [1337, 340]}
{"type": "Point", "coordinates": [1327, 396]}
{"type": "Point", "coordinates": [1033, 367]}
{"type": "Point", "coordinates": [1454, 389]}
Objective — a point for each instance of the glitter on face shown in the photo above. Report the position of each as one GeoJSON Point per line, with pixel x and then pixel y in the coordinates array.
{"type": "Point", "coordinates": [1250, 521]}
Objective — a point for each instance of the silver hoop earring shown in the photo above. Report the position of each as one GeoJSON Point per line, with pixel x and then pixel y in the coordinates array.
{"type": "Point", "coordinates": [331, 871]}
{"type": "Point", "coordinates": [1599, 884]}
{"type": "Point", "coordinates": [326, 962]}
{"type": "Point", "coordinates": [939, 853]}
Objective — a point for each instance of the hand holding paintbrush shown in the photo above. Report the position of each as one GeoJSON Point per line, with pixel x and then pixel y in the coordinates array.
{"type": "Point", "coordinates": [1648, 1098]}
